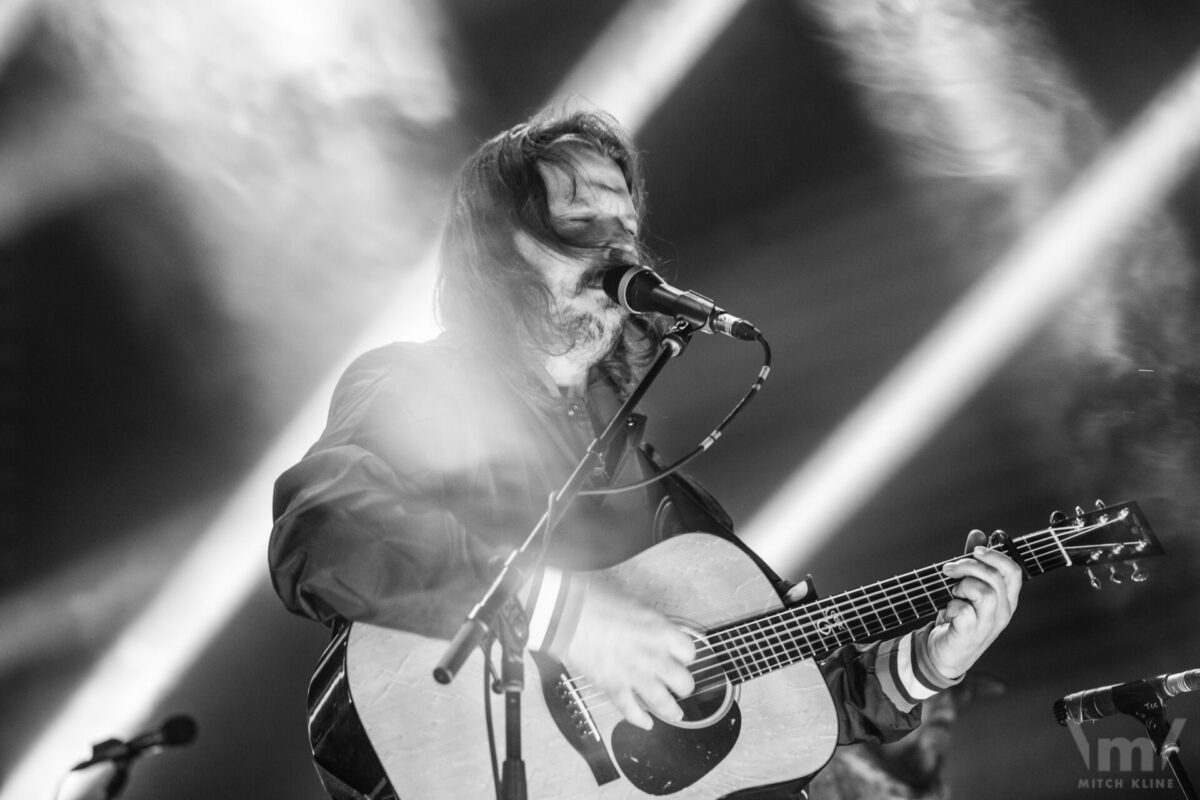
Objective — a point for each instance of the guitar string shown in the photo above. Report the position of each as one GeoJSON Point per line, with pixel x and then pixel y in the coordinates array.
{"type": "Point", "coordinates": [757, 631]}
{"type": "Point", "coordinates": [781, 637]}
{"type": "Point", "coordinates": [754, 631]}
{"type": "Point", "coordinates": [808, 616]}
{"type": "Point", "coordinates": [710, 671]}
{"type": "Point", "coordinates": [597, 700]}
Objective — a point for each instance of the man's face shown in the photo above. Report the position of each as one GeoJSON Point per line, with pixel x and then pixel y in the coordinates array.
{"type": "Point", "coordinates": [590, 205]}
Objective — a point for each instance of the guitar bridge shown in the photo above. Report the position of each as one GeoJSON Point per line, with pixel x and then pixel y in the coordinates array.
{"type": "Point", "coordinates": [571, 716]}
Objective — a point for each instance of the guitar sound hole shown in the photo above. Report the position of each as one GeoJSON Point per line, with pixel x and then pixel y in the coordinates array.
{"type": "Point", "coordinates": [713, 695]}
{"type": "Point", "coordinates": [706, 703]}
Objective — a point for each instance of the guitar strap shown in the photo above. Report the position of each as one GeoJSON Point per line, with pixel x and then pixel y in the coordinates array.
{"type": "Point", "coordinates": [697, 510]}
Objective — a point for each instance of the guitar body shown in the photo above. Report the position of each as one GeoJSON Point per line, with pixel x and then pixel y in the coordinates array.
{"type": "Point", "coordinates": [431, 738]}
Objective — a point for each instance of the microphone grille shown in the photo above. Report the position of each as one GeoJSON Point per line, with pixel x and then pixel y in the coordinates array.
{"type": "Point", "coordinates": [610, 281]}
{"type": "Point", "coordinates": [179, 730]}
{"type": "Point", "coordinates": [1060, 712]}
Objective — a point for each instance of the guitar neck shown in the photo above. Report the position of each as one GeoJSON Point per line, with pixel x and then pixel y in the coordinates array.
{"type": "Point", "coordinates": [754, 647]}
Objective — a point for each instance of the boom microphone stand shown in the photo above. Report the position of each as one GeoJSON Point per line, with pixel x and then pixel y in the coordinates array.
{"type": "Point", "coordinates": [1144, 700]}
{"type": "Point", "coordinates": [488, 614]}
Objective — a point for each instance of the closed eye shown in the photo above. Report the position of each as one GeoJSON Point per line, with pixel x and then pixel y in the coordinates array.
{"type": "Point", "coordinates": [603, 224]}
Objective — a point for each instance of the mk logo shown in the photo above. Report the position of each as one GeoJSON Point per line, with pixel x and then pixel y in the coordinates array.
{"type": "Point", "coordinates": [1125, 749]}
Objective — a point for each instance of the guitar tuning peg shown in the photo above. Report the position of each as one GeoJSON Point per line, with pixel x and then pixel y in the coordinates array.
{"type": "Point", "coordinates": [1099, 503]}
{"type": "Point", "coordinates": [1136, 574]}
{"type": "Point", "coordinates": [1113, 575]}
{"type": "Point", "coordinates": [1057, 518]}
{"type": "Point", "coordinates": [1092, 579]}
{"type": "Point", "coordinates": [1078, 512]}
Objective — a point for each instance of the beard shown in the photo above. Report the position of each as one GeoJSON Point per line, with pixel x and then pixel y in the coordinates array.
{"type": "Point", "coordinates": [588, 332]}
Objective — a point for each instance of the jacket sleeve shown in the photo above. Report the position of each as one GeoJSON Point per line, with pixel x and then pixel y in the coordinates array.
{"type": "Point", "coordinates": [360, 532]}
{"type": "Point", "coordinates": [878, 688]}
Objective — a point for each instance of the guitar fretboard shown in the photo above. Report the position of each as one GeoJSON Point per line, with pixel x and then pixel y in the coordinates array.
{"type": "Point", "coordinates": [750, 648]}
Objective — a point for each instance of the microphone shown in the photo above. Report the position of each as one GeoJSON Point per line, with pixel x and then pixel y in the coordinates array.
{"type": "Point", "coordinates": [1134, 697]}
{"type": "Point", "coordinates": [640, 290]}
{"type": "Point", "coordinates": [176, 731]}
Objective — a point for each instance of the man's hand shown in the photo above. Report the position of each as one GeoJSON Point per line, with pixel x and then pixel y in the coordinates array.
{"type": "Point", "coordinates": [984, 600]}
{"type": "Point", "coordinates": [633, 654]}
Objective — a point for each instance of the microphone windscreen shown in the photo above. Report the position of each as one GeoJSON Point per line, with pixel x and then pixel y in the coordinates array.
{"type": "Point", "coordinates": [610, 281]}
{"type": "Point", "coordinates": [179, 730]}
{"type": "Point", "coordinates": [1060, 712]}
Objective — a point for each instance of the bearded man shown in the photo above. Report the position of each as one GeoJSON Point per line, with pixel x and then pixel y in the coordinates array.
{"type": "Point", "coordinates": [438, 459]}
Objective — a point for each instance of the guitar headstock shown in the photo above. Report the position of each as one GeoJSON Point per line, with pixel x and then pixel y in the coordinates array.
{"type": "Point", "coordinates": [1105, 535]}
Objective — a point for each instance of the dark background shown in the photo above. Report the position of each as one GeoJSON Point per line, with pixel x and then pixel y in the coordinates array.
{"type": "Point", "coordinates": [150, 356]}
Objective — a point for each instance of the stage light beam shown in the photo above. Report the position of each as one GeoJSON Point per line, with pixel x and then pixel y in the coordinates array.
{"type": "Point", "coordinates": [228, 561]}
{"type": "Point", "coordinates": [999, 314]}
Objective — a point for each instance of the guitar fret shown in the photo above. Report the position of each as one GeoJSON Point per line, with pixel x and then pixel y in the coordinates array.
{"type": "Point", "coordinates": [722, 643]}
{"type": "Point", "coordinates": [819, 633]}
{"type": "Point", "coordinates": [881, 625]}
{"type": "Point", "coordinates": [825, 619]}
{"type": "Point", "coordinates": [932, 583]}
{"type": "Point", "coordinates": [944, 592]}
{"type": "Point", "coordinates": [911, 612]}
{"type": "Point", "coordinates": [891, 606]}
{"type": "Point", "coordinates": [783, 650]}
{"type": "Point", "coordinates": [1052, 552]}
{"type": "Point", "coordinates": [1066, 558]}
{"type": "Point", "coordinates": [803, 632]}
{"type": "Point", "coordinates": [928, 583]}
{"type": "Point", "coordinates": [852, 613]}
{"type": "Point", "coordinates": [1029, 556]}
{"type": "Point", "coordinates": [763, 649]}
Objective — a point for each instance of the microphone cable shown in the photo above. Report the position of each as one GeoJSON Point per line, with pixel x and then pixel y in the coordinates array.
{"type": "Point", "coordinates": [709, 440]}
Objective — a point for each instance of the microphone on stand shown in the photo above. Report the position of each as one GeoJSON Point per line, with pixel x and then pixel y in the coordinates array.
{"type": "Point", "coordinates": [1124, 698]}
{"type": "Point", "coordinates": [640, 290]}
{"type": "Point", "coordinates": [175, 732]}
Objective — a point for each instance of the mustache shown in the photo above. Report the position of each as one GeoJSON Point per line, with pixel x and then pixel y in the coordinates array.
{"type": "Point", "coordinates": [594, 277]}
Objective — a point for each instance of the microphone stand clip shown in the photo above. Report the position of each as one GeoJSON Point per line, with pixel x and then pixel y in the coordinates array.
{"type": "Point", "coordinates": [1165, 738]}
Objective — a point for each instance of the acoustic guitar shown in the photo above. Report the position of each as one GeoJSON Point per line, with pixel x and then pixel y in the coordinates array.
{"type": "Point", "coordinates": [761, 713]}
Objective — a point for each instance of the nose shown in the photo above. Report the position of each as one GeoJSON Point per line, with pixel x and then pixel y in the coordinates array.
{"type": "Point", "coordinates": [621, 255]}
{"type": "Point", "coordinates": [621, 247]}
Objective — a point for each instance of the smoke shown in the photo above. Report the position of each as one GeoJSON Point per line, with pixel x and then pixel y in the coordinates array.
{"type": "Point", "coordinates": [986, 117]}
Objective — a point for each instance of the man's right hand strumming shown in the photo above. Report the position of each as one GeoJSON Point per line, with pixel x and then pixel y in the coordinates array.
{"type": "Point", "coordinates": [632, 653]}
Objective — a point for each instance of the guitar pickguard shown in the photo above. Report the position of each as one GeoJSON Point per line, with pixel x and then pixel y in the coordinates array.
{"type": "Point", "coordinates": [667, 758]}
{"type": "Point", "coordinates": [431, 738]}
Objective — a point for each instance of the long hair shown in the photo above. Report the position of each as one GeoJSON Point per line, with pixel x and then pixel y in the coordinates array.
{"type": "Point", "coordinates": [485, 289]}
